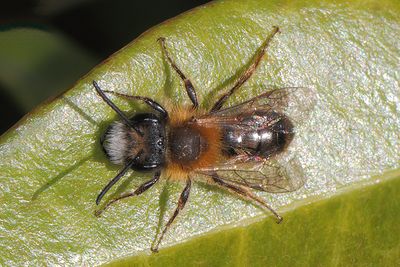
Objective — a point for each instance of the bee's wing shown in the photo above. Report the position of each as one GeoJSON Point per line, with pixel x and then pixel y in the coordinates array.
{"type": "Point", "coordinates": [269, 175]}
{"type": "Point", "coordinates": [295, 102]}
{"type": "Point", "coordinates": [275, 175]}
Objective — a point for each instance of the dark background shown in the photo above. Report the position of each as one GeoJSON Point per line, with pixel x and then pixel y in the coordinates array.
{"type": "Point", "coordinates": [98, 27]}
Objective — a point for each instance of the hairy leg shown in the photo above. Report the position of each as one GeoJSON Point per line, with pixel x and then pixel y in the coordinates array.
{"type": "Point", "coordinates": [247, 194]}
{"type": "Point", "coordinates": [188, 84]}
{"type": "Point", "coordinates": [142, 188]}
{"type": "Point", "coordinates": [247, 73]}
{"type": "Point", "coordinates": [181, 204]}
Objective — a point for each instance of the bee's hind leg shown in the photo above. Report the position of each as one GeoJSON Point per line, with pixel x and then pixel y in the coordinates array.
{"type": "Point", "coordinates": [248, 72]}
{"type": "Point", "coordinates": [244, 193]}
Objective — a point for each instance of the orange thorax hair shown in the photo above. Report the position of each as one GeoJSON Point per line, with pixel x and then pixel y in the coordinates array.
{"type": "Point", "coordinates": [211, 134]}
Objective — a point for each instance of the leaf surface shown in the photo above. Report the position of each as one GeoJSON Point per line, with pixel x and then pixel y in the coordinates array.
{"type": "Point", "coordinates": [52, 165]}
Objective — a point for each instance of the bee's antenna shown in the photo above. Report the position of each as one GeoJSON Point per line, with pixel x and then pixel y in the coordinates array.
{"type": "Point", "coordinates": [115, 108]}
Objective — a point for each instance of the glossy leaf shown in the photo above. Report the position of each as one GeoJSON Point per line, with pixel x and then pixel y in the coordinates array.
{"type": "Point", "coordinates": [52, 165]}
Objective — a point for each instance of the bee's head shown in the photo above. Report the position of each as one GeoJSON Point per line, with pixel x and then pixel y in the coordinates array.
{"type": "Point", "coordinates": [143, 141]}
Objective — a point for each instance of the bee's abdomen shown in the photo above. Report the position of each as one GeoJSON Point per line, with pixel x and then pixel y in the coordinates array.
{"type": "Point", "coordinates": [262, 134]}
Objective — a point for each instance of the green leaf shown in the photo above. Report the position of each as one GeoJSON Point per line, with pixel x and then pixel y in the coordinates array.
{"type": "Point", "coordinates": [347, 213]}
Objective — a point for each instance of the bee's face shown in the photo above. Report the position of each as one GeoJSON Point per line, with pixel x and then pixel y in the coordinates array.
{"type": "Point", "coordinates": [145, 144]}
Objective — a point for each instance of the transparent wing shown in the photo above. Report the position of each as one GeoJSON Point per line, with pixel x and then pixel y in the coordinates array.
{"type": "Point", "coordinates": [269, 176]}
{"type": "Point", "coordinates": [295, 102]}
{"type": "Point", "coordinates": [278, 174]}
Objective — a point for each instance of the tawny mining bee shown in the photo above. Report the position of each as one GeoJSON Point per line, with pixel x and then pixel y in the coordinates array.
{"type": "Point", "coordinates": [232, 147]}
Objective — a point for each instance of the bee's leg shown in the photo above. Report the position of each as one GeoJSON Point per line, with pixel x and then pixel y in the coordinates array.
{"type": "Point", "coordinates": [114, 181]}
{"type": "Point", "coordinates": [181, 204]}
{"type": "Point", "coordinates": [153, 104]}
{"type": "Point", "coordinates": [247, 194]}
{"type": "Point", "coordinates": [142, 188]}
{"type": "Point", "coordinates": [188, 84]}
{"type": "Point", "coordinates": [247, 73]}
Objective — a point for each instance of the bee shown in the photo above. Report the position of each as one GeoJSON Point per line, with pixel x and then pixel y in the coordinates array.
{"type": "Point", "coordinates": [235, 148]}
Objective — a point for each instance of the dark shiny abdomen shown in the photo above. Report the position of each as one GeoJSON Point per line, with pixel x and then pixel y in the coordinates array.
{"type": "Point", "coordinates": [261, 134]}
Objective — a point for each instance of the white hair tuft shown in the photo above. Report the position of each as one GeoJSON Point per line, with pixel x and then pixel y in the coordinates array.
{"type": "Point", "coordinates": [116, 142]}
